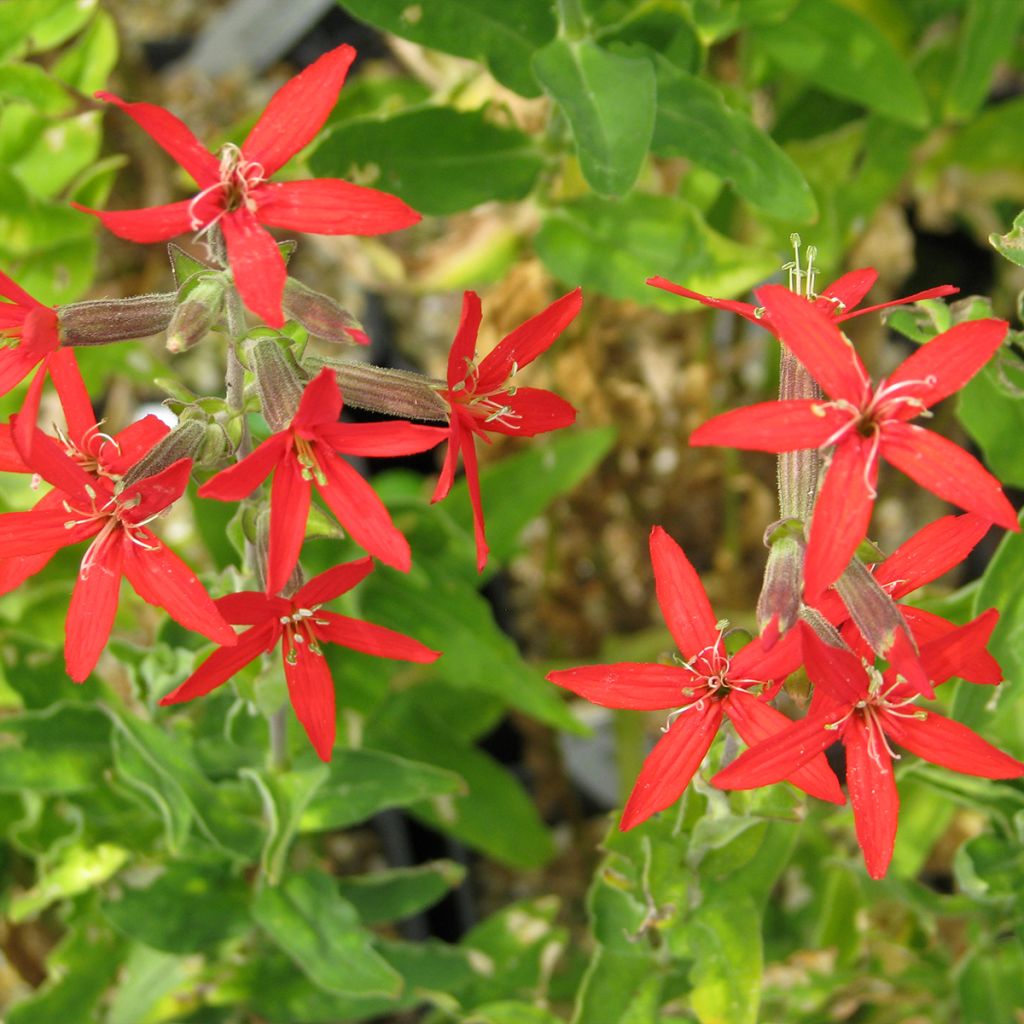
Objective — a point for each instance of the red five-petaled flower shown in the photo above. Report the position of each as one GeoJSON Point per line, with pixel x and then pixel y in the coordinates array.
{"type": "Point", "coordinates": [90, 507]}
{"type": "Point", "coordinates": [866, 709]}
{"type": "Point", "coordinates": [708, 684]}
{"type": "Point", "coordinates": [485, 399]}
{"type": "Point", "coordinates": [306, 454]}
{"type": "Point", "coordinates": [301, 625]}
{"type": "Point", "coordinates": [236, 193]}
{"type": "Point", "coordinates": [863, 422]}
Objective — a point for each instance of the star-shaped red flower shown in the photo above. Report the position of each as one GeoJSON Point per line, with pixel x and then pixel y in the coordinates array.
{"type": "Point", "coordinates": [307, 454]}
{"type": "Point", "coordinates": [861, 423]}
{"type": "Point", "coordinates": [866, 709]}
{"type": "Point", "coordinates": [236, 193]}
{"type": "Point", "coordinates": [484, 399]}
{"type": "Point", "coordinates": [709, 683]}
{"type": "Point", "coordinates": [301, 625]}
{"type": "Point", "coordinates": [121, 544]}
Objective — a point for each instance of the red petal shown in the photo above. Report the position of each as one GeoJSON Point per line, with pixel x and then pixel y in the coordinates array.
{"type": "Point", "coordinates": [39, 332]}
{"type": "Point", "coordinates": [332, 583]}
{"type": "Point", "coordinates": [311, 691]}
{"type": "Point", "coordinates": [932, 551]}
{"type": "Point", "coordinates": [461, 354]}
{"type": "Point", "coordinates": [363, 515]}
{"type": "Point", "coordinates": [41, 531]}
{"type": "Point", "coordinates": [469, 464]}
{"type": "Point", "coordinates": [73, 394]}
{"type": "Point", "coordinates": [781, 426]}
{"type": "Point", "coordinates": [849, 290]}
{"type": "Point", "coordinates": [257, 265]}
{"type": "Point", "coordinates": [298, 110]}
{"type": "Point", "coordinates": [776, 758]}
{"type": "Point", "coordinates": [744, 309]}
{"type": "Point", "coordinates": [10, 458]}
{"type": "Point", "coordinates": [24, 423]}
{"type": "Point", "coordinates": [47, 459]}
{"type": "Point", "coordinates": [638, 686]}
{"type": "Point", "coordinates": [240, 480]}
{"type": "Point", "coordinates": [839, 673]}
{"type": "Point", "coordinates": [842, 512]}
{"type": "Point", "coordinates": [876, 804]}
{"type": "Point", "coordinates": [10, 289]}
{"type": "Point", "coordinates": [220, 666]}
{"type": "Point", "coordinates": [93, 606]}
{"type": "Point", "coordinates": [132, 443]}
{"type": "Point", "coordinates": [951, 745]}
{"type": "Point", "coordinates": [903, 656]}
{"type": "Point", "coordinates": [164, 580]}
{"type": "Point", "coordinates": [756, 721]}
{"type": "Point", "coordinates": [527, 341]}
{"type": "Point", "coordinates": [929, 293]}
{"type": "Point", "coordinates": [155, 493]}
{"type": "Point", "coordinates": [451, 458]}
{"type": "Point", "coordinates": [959, 649]}
{"type": "Point", "coordinates": [173, 135]}
{"type": "Point", "coordinates": [371, 639]}
{"type": "Point", "coordinates": [320, 404]}
{"type": "Point", "coordinates": [151, 224]}
{"type": "Point", "coordinates": [681, 596]}
{"type": "Point", "coordinates": [947, 362]}
{"type": "Point", "coordinates": [948, 471]}
{"type": "Point", "coordinates": [250, 607]}
{"type": "Point", "coordinates": [289, 510]}
{"type": "Point", "coordinates": [15, 365]}
{"type": "Point", "coordinates": [391, 437]}
{"type": "Point", "coordinates": [767, 664]}
{"type": "Point", "coordinates": [534, 411]}
{"type": "Point", "coordinates": [672, 764]}
{"type": "Point", "coordinates": [814, 339]}
{"type": "Point", "coordinates": [927, 627]}
{"type": "Point", "coordinates": [330, 206]}
{"type": "Point", "coordinates": [15, 570]}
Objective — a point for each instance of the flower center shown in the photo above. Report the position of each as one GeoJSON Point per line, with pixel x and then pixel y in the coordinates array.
{"type": "Point", "coordinates": [309, 464]}
{"type": "Point", "coordinates": [238, 177]}
{"type": "Point", "coordinates": [299, 633]}
{"type": "Point", "coordinates": [111, 513]}
{"type": "Point", "coordinates": [488, 406]}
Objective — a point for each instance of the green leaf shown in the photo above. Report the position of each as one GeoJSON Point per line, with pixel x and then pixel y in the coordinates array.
{"type": "Point", "coordinates": [437, 159]}
{"type": "Point", "coordinates": [285, 796]}
{"type": "Point", "coordinates": [190, 906]}
{"type": "Point", "coordinates": [78, 870]}
{"type": "Point", "coordinates": [79, 973]}
{"type": "Point", "coordinates": [501, 35]}
{"type": "Point", "coordinates": [86, 65]}
{"type": "Point", "coordinates": [1011, 245]}
{"type": "Point", "coordinates": [29, 83]}
{"type": "Point", "coordinates": [64, 749]}
{"type": "Point", "coordinates": [613, 247]}
{"type": "Point", "coordinates": [364, 782]}
{"type": "Point", "coordinates": [987, 38]}
{"type": "Point", "coordinates": [991, 408]}
{"type": "Point", "coordinates": [320, 931]}
{"type": "Point", "coordinates": [694, 122]}
{"type": "Point", "coordinates": [726, 975]}
{"type": "Point", "coordinates": [846, 55]}
{"type": "Point", "coordinates": [145, 980]}
{"type": "Point", "coordinates": [536, 476]}
{"type": "Point", "coordinates": [174, 778]}
{"type": "Point", "coordinates": [400, 892]}
{"type": "Point", "coordinates": [495, 815]}
{"type": "Point", "coordinates": [508, 1012]}
{"type": "Point", "coordinates": [990, 986]}
{"type": "Point", "coordinates": [609, 100]}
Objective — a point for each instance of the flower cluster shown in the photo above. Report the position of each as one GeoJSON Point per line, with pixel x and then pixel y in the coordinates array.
{"type": "Point", "coordinates": [107, 490]}
{"type": "Point", "coordinates": [873, 662]}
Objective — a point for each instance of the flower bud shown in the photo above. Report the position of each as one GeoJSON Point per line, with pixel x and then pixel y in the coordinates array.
{"type": "Point", "coordinates": [200, 303]}
{"type": "Point", "coordinates": [873, 610]}
{"type": "Point", "coordinates": [101, 321]}
{"type": "Point", "coordinates": [183, 442]}
{"type": "Point", "coordinates": [280, 380]}
{"type": "Point", "coordinates": [321, 315]}
{"type": "Point", "coordinates": [381, 389]}
{"type": "Point", "coordinates": [778, 604]}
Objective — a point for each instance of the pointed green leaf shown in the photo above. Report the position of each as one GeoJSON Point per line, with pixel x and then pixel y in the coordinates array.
{"type": "Point", "coordinates": [987, 38]}
{"type": "Point", "coordinates": [400, 892]}
{"type": "Point", "coordinates": [320, 931]}
{"type": "Point", "coordinates": [609, 101]}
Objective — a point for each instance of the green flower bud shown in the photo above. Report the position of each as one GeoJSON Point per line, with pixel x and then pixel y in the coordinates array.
{"type": "Point", "coordinates": [280, 380]}
{"type": "Point", "coordinates": [200, 303]}
{"type": "Point", "coordinates": [102, 321]}
{"type": "Point", "coordinates": [321, 315]}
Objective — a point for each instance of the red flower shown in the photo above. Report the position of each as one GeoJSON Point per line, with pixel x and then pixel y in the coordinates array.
{"type": "Point", "coordinates": [236, 193]}
{"type": "Point", "coordinates": [710, 682]}
{"type": "Point", "coordinates": [866, 709]}
{"type": "Point", "coordinates": [30, 336]}
{"type": "Point", "coordinates": [862, 423]}
{"type": "Point", "coordinates": [90, 507]}
{"type": "Point", "coordinates": [483, 399]}
{"type": "Point", "coordinates": [838, 300]}
{"type": "Point", "coordinates": [303, 626]}
{"type": "Point", "coordinates": [306, 454]}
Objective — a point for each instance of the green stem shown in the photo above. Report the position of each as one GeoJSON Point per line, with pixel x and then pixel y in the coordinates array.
{"type": "Point", "coordinates": [574, 24]}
